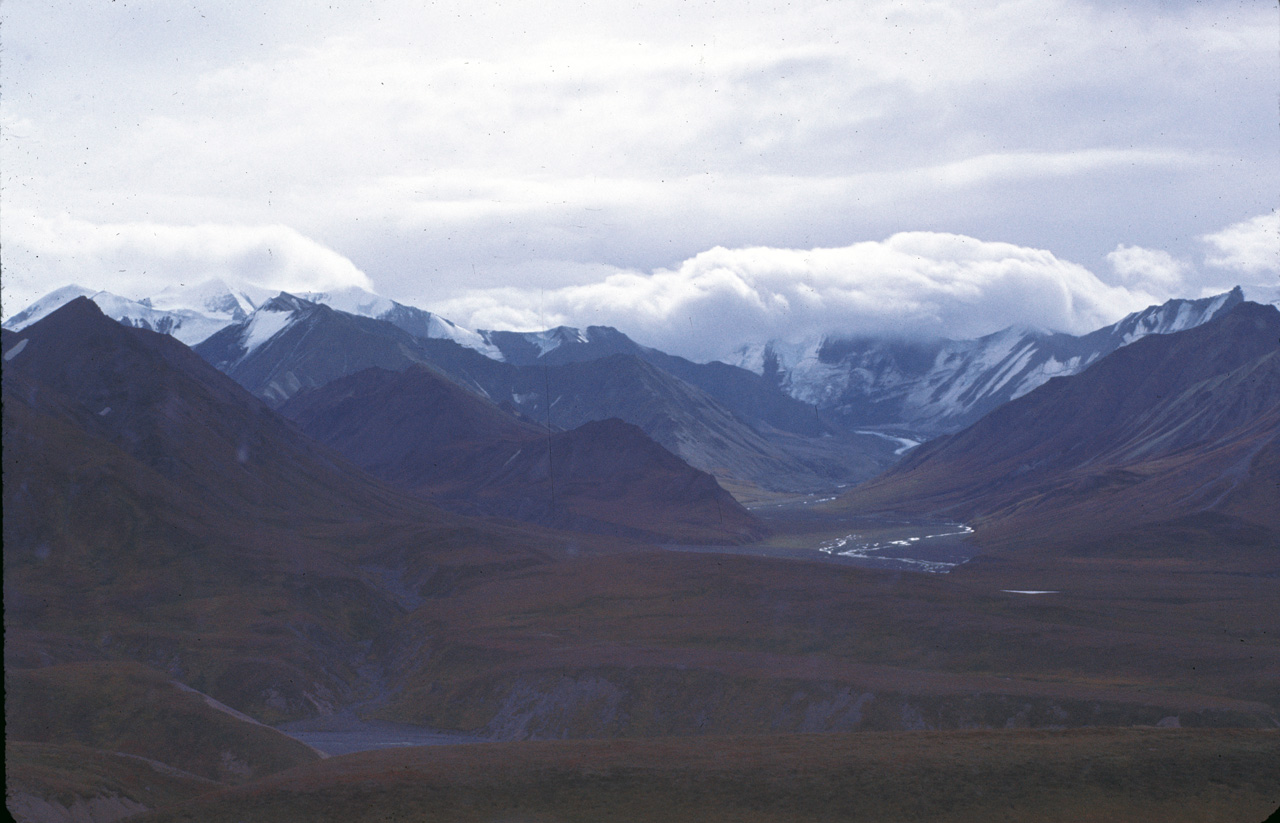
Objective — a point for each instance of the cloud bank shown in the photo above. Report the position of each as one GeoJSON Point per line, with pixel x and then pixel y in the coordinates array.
{"type": "Point", "coordinates": [140, 259]}
{"type": "Point", "coordinates": [1251, 247]}
{"type": "Point", "coordinates": [911, 284]}
{"type": "Point", "coordinates": [461, 143]}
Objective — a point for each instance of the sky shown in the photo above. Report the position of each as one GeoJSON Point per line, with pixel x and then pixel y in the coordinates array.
{"type": "Point", "coordinates": [700, 175]}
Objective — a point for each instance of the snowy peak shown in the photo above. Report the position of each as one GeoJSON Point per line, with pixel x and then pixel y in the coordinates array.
{"type": "Point", "coordinates": [561, 345]}
{"type": "Point", "coordinates": [276, 315]}
{"type": "Point", "coordinates": [46, 305]}
{"type": "Point", "coordinates": [415, 321]}
{"type": "Point", "coordinates": [352, 300]}
{"type": "Point", "coordinates": [1176, 315]}
{"type": "Point", "coordinates": [194, 313]}
{"type": "Point", "coordinates": [943, 385]}
{"type": "Point", "coordinates": [187, 325]}
{"type": "Point", "coordinates": [214, 297]}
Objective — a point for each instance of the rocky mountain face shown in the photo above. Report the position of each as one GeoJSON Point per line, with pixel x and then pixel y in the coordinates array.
{"type": "Point", "coordinates": [290, 344]}
{"type": "Point", "coordinates": [1174, 434]}
{"type": "Point", "coordinates": [422, 431]}
{"type": "Point", "coordinates": [944, 385]}
{"type": "Point", "coordinates": [742, 392]}
{"type": "Point", "coordinates": [785, 418]}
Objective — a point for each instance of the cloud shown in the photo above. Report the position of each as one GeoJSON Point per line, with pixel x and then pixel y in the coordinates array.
{"type": "Point", "coordinates": [1155, 271]}
{"type": "Point", "coordinates": [1250, 247]}
{"type": "Point", "coordinates": [139, 259]}
{"type": "Point", "coordinates": [911, 284]}
{"type": "Point", "coordinates": [456, 133]}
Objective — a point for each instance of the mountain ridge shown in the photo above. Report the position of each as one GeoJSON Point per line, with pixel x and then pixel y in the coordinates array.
{"type": "Point", "coordinates": [1179, 428]}
{"type": "Point", "coordinates": [944, 385]}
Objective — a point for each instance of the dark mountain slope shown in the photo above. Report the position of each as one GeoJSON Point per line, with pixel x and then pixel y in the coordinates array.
{"type": "Point", "coordinates": [289, 344]}
{"type": "Point", "coordinates": [422, 431]}
{"type": "Point", "coordinates": [749, 396]}
{"type": "Point", "coordinates": [941, 386]}
{"type": "Point", "coordinates": [667, 401]}
{"type": "Point", "coordinates": [1178, 431]}
{"type": "Point", "coordinates": [154, 511]}
{"type": "Point", "coordinates": [152, 397]}
{"type": "Point", "coordinates": [681, 417]}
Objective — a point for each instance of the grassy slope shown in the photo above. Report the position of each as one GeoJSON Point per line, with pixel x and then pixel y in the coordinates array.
{"type": "Point", "coordinates": [93, 740]}
{"type": "Point", "coordinates": [47, 781]}
{"type": "Point", "coordinates": [1085, 775]}
{"type": "Point", "coordinates": [670, 643]}
{"type": "Point", "coordinates": [131, 709]}
{"type": "Point", "coordinates": [1167, 447]}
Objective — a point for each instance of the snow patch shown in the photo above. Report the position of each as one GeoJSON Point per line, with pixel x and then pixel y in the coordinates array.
{"type": "Point", "coordinates": [16, 350]}
{"type": "Point", "coordinates": [262, 326]}
{"type": "Point", "coordinates": [546, 341]}
{"type": "Point", "coordinates": [352, 300]}
{"type": "Point", "coordinates": [440, 328]}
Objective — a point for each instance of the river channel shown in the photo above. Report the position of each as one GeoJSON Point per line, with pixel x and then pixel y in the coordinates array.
{"type": "Point", "coordinates": [802, 529]}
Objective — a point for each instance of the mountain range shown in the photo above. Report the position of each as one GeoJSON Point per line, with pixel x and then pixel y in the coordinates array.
{"type": "Point", "coordinates": [936, 386]}
{"type": "Point", "coordinates": [318, 514]}
{"type": "Point", "coordinates": [757, 436]}
{"type": "Point", "coordinates": [421, 431]}
{"type": "Point", "coordinates": [784, 418]}
{"type": "Point", "coordinates": [1171, 443]}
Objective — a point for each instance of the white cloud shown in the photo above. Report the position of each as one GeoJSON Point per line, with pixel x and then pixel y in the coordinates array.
{"type": "Point", "coordinates": [140, 259]}
{"type": "Point", "coordinates": [459, 143]}
{"type": "Point", "coordinates": [1250, 247]}
{"type": "Point", "coordinates": [914, 284]}
{"type": "Point", "coordinates": [1152, 270]}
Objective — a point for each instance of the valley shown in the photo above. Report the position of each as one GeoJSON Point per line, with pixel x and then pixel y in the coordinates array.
{"type": "Point", "coordinates": [317, 534]}
{"type": "Point", "coordinates": [804, 529]}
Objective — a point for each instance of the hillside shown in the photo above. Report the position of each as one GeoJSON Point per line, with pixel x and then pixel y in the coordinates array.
{"type": "Point", "coordinates": [155, 511]}
{"type": "Point", "coordinates": [940, 386]}
{"type": "Point", "coordinates": [423, 432]}
{"type": "Point", "coordinates": [1172, 435]}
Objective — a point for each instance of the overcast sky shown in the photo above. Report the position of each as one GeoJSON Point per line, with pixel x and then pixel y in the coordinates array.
{"type": "Point", "coordinates": [698, 174]}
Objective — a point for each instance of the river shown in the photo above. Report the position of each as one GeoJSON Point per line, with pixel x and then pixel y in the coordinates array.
{"type": "Point", "coordinates": [804, 530]}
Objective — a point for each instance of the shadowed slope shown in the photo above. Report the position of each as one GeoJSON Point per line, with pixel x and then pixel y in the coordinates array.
{"type": "Point", "coordinates": [290, 344]}
{"type": "Point", "coordinates": [155, 511]}
{"type": "Point", "coordinates": [424, 432]}
{"type": "Point", "coordinates": [1176, 431]}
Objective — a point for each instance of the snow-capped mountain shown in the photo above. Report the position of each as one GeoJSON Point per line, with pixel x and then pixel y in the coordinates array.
{"type": "Point", "coordinates": [943, 385]}
{"type": "Point", "coordinates": [417, 322]}
{"type": "Point", "coordinates": [190, 315]}
{"type": "Point", "coordinates": [212, 297]}
{"type": "Point", "coordinates": [563, 344]}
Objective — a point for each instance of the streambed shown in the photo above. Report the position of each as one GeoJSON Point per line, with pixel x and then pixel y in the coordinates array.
{"type": "Point", "coordinates": [803, 530]}
{"type": "Point", "coordinates": [344, 734]}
